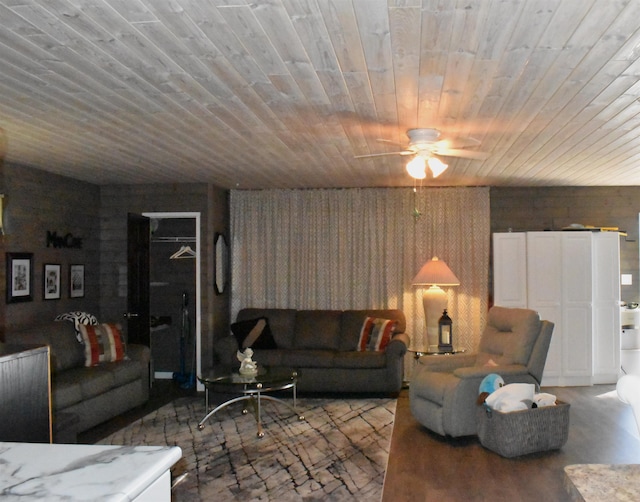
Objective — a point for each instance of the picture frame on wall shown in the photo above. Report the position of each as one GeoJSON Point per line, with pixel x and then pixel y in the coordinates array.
{"type": "Point", "coordinates": [51, 281]}
{"type": "Point", "coordinates": [76, 281]}
{"type": "Point", "coordinates": [19, 277]}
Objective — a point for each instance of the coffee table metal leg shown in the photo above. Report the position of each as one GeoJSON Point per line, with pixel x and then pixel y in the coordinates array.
{"type": "Point", "coordinates": [256, 401]}
{"type": "Point", "coordinates": [259, 417]}
{"type": "Point", "coordinates": [295, 397]}
{"type": "Point", "coordinates": [220, 407]}
{"type": "Point", "coordinates": [284, 403]}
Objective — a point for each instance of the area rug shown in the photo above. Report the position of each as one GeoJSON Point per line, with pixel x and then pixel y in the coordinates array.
{"type": "Point", "coordinates": [338, 452]}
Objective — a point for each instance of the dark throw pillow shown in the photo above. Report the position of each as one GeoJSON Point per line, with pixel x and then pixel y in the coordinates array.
{"type": "Point", "coordinates": [254, 333]}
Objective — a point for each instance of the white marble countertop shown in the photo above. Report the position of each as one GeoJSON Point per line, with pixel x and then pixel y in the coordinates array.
{"type": "Point", "coordinates": [72, 472]}
{"type": "Point", "coordinates": [603, 482]}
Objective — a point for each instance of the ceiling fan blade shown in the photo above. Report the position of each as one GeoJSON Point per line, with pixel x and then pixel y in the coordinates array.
{"type": "Point", "coordinates": [382, 140]}
{"type": "Point", "coordinates": [462, 142]}
{"type": "Point", "coordinates": [403, 152]}
{"type": "Point", "coordinates": [465, 154]}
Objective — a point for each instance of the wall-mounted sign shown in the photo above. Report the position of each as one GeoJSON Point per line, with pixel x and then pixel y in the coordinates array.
{"type": "Point", "coordinates": [63, 241]}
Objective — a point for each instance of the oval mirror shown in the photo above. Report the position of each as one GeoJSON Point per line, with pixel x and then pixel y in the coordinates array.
{"type": "Point", "coordinates": [222, 258]}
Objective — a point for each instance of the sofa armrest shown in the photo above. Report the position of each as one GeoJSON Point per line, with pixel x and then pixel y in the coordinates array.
{"type": "Point", "coordinates": [138, 352]}
{"type": "Point", "coordinates": [446, 363]}
{"type": "Point", "coordinates": [397, 346]}
{"type": "Point", "coordinates": [482, 371]}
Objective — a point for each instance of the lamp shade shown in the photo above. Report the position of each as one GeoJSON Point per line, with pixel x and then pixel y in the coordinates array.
{"type": "Point", "coordinates": [416, 168]}
{"type": "Point", "coordinates": [435, 272]}
{"type": "Point", "coordinates": [437, 166]}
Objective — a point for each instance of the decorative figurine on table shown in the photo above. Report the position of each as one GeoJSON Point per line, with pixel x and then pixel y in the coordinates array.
{"type": "Point", "coordinates": [248, 367]}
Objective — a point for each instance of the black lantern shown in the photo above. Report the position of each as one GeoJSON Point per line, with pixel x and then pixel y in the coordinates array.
{"type": "Point", "coordinates": [445, 333]}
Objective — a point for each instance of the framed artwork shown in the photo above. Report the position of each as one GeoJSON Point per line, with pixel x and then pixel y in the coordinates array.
{"type": "Point", "coordinates": [51, 281]}
{"type": "Point", "coordinates": [19, 277]}
{"type": "Point", "coordinates": [221, 264]}
{"type": "Point", "coordinates": [76, 281]}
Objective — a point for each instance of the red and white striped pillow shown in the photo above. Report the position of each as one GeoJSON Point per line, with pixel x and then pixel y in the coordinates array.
{"type": "Point", "coordinates": [103, 343]}
{"type": "Point", "coordinates": [375, 334]}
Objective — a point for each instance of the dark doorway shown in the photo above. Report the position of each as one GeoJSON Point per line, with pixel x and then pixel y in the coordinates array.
{"type": "Point", "coordinates": [137, 315]}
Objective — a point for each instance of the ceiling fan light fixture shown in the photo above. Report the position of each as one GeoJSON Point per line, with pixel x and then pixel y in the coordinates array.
{"type": "Point", "coordinates": [437, 166]}
{"type": "Point", "coordinates": [416, 168]}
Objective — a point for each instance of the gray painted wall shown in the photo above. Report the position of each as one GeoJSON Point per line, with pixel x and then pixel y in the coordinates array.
{"type": "Point", "coordinates": [37, 202]}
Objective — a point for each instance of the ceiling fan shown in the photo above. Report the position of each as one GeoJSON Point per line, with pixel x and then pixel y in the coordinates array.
{"type": "Point", "coordinates": [425, 145]}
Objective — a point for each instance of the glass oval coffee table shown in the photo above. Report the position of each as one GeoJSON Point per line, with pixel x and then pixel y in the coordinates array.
{"type": "Point", "coordinates": [253, 389]}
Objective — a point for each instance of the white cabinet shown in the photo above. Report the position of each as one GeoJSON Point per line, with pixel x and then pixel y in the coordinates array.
{"type": "Point", "coordinates": [606, 308]}
{"type": "Point", "coordinates": [571, 279]}
{"type": "Point", "coordinates": [559, 289]}
{"type": "Point", "coordinates": [510, 269]}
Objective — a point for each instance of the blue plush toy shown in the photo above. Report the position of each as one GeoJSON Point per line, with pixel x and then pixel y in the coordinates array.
{"type": "Point", "coordinates": [489, 384]}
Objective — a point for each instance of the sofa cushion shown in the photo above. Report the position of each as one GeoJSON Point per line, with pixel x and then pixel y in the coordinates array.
{"type": "Point", "coordinates": [281, 323]}
{"type": "Point", "coordinates": [375, 334]}
{"type": "Point", "coordinates": [254, 333]}
{"type": "Point", "coordinates": [79, 384]}
{"type": "Point", "coordinates": [65, 350]}
{"type": "Point", "coordinates": [268, 357]}
{"type": "Point", "coordinates": [352, 320]}
{"type": "Point", "coordinates": [317, 329]}
{"type": "Point", "coordinates": [509, 336]}
{"type": "Point", "coordinates": [65, 390]}
{"type": "Point", "coordinates": [96, 380]}
{"type": "Point", "coordinates": [308, 358]}
{"type": "Point", "coordinates": [359, 360]}
{"type": "Point", "coordinates": [123, 371]}
{"type": "Point", "coordinates": [102, 343]}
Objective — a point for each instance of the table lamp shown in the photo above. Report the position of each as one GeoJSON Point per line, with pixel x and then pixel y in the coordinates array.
{"type": "Point", "coordinates": [434, 273]}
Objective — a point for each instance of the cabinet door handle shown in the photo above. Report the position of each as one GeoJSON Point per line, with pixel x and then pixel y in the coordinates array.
{"type": "Point", "coordinates": [130, 315]}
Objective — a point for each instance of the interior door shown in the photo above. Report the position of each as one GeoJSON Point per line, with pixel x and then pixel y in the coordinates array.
{"type": "Point", "coordinates": [137, 315]}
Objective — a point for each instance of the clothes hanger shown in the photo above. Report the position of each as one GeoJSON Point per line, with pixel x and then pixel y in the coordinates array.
{"type": "Point", "coordinates": [183, 252]}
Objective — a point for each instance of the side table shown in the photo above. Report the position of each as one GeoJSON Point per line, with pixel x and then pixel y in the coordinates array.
{"type": "Point", "coordinates": [417, 354]}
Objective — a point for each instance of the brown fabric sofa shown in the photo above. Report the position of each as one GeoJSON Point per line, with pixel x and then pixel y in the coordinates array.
{"type": "Point", "coordinates": [83, 397]}
{"type": "Point", "coordinates": [321, 345]}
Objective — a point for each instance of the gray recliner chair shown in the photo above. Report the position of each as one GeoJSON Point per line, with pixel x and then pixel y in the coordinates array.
{"type": "Point", "coordinates": [443, 391]}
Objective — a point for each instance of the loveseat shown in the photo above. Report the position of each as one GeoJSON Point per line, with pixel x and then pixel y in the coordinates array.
{"type": "Point", "coordinates": [83, 397]}
{"type": "Point", "coordinates": [323, 345]}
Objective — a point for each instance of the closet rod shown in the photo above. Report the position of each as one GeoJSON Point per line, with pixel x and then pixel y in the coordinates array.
{"type": "Point", "coordinates": [173, 239]}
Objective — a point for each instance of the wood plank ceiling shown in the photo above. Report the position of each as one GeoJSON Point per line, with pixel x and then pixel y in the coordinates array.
{"type": "Point", "coordinates": [284, 93]}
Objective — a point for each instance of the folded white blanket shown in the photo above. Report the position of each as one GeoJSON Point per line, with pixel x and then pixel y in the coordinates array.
{"type": "Point", "coordinates": [512, 397]}
{"type": "Point", "coordinates": [518, 396]}
{"type": "Point", "coordinates": [543, 399]}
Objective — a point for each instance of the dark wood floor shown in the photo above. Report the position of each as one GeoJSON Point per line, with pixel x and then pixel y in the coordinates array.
{"type": "Point", "coordinates": [424, 466]}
